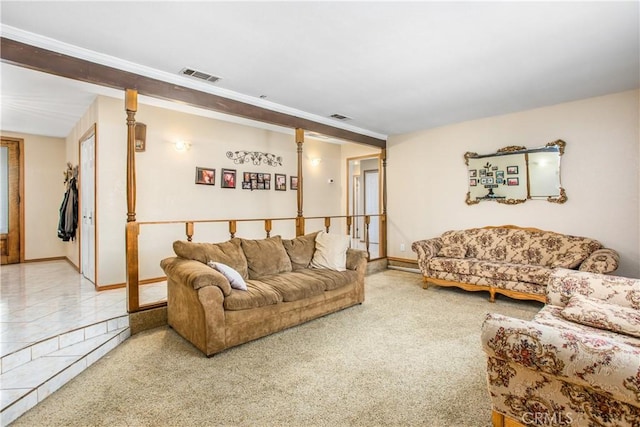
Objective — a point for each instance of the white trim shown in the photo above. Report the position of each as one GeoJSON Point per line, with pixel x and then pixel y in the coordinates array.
{"type": "Point", "coordinates": [111, 61]}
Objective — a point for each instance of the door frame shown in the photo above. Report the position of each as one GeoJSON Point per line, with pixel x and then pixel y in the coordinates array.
{"type": "Point", "coordinates": [350, 193]}
{"type": "Point", "coordinates": [378, 196]}
{"type": "Point", "coordinates": [19, 144]}
{"type": "Point", "coordinates": [92, 131]}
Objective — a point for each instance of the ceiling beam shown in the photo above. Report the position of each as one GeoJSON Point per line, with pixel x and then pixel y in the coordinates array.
{"type": "Point", "coordinates": [47, 61]}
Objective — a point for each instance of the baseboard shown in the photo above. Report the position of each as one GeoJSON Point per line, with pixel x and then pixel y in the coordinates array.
{"type": "Point", "coordinates": [122, 285]}
{"type": "Point", "coordinates": [75, 267]}
{"type": "Point", "coordinates": [403, 262]}
{"type": "Point", "coordinates": [53, 258]}
{"type": "Point", "coordinates": [110, 287]}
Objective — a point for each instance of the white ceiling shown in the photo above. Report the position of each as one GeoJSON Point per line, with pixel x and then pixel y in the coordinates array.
{"type": "Point", "coordinates": [392, 67]}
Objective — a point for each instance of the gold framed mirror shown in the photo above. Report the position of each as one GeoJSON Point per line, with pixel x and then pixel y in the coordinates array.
{"type": "Point", "coordinates": [515, 174]}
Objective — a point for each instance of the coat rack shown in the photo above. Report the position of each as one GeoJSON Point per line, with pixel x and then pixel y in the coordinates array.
{"type": "Point", "coordinates": [70, 172]}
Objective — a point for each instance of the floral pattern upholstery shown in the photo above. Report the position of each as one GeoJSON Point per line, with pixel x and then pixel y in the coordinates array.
{"type": "Point", "coordinates": [602, 315]}
{"type": "Point", "coordinates": [509, 258]}
{"type": "Point", "coordinates": [562, 372]}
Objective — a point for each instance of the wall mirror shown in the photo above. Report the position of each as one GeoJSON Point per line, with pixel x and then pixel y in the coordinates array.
{"type": "Point", "coordinates": [516, 174]}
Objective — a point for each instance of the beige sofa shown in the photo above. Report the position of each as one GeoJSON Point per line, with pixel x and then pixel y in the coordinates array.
{"type": "Point", "coordinates": [577, 363]}
{"type": "Point", "coordinates": [508, 260]}
{"type": "Point", "coordinates": [282, 290]}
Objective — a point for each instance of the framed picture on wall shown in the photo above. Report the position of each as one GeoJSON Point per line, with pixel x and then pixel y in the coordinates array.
{"type": "Point", "coordinates": [228, 178]}
{"type": "Point", "coordinates": [513, 181]}
{"type": "Point", "coordinates": [473, 182]}
{"type": "Point", "coordinates": [293, 182]}
{"type": "Point", "coordinates": [473, 173]}
{"type": "Point", "coordinates": [281, 182]}
{"type": "Point", "coordinates": [205, 176]}
{"type": "Point", "coordinates": [512, 170]}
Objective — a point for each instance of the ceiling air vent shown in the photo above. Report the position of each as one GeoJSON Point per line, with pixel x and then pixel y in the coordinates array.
{"type": "Point", "coordinates": [199, 75]}
{"type": "Point", "coordinates": [340, 117]}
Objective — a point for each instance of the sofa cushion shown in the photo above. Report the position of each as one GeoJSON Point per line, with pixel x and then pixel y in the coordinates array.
{"type": "Point", "coordinates": [235, 279]}
{"type": "Point", "coordinates": [453, 250]}
{"type": "Point", "coordinates": [550, 315]}
{"type": "Point", "coordinates": [229, 253]}
{"type": "Point", "coordinates": [331, 251]}
{"type": "Point", "coordinates": [300, 250]}
{"type": "Point", "coordinates": [602, 315]}
{"type": "Point", "coordinates": [494, 271]}
{"type": "Point", "coordinates": [265, 257]}
{"type": "Point", "coordinates": [257, 295]}
{"type": "Point", "coordinates": [567, 259]}
{"type": "Point", "coordinates": [330, 278]}
{"type": "Point", "coordinates": [294, 286]}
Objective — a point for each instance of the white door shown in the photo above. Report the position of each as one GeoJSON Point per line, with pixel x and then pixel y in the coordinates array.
{"type": "Point", "coordinates": [372, 203]}
{"type": "Point", "coordinates": [87, 203]}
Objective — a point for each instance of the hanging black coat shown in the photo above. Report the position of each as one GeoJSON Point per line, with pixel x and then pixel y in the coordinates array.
{"type": "Point", "coordinates": [69, 213]}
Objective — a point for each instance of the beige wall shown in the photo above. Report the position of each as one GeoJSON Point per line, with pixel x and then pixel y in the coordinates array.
{"type": "Point", "coordinates": [44, 165]}
{"type": "Point", "coordinates": [72, 153]}
{"type": "Point", "coordinates": [427, 178]}
{"type": "Point", "coordinates": [167, 189]}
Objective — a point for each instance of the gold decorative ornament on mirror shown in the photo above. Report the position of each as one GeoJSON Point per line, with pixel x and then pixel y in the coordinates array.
{"type": "Point", "coordinates": [515, 174]}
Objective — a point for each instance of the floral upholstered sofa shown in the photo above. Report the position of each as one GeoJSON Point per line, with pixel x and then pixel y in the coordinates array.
{"type": "Point", "coordinates": [508, 260]}
{"type": "Point", "coordinates": [577, 363]}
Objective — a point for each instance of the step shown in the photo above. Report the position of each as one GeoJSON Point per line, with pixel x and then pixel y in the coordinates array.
{"type": "Point", "coordinates": [54, 362]}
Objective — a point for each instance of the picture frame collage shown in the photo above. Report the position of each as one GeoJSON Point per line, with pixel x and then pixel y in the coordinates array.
{"type": "Point", "coordinates": [250, 180]}
{"type": "Point", "coordinates": [491, 177]}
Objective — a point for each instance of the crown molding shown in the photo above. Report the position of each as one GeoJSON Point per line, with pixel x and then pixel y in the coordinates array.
{"type": "Point", "coordinates": [57, 46]}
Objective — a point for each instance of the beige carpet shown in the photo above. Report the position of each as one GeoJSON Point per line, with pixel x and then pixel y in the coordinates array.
{"type": "Point", "coordinates": [406, 357]}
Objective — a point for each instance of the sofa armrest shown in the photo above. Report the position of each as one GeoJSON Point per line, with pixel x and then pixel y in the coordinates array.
{"type": "Point", "coordinates": [622, 291]}
{"type": "Point", "coordinates": [355, 257]}
{"type": "Point", "coordinates": [601, 261]}
{"type": "Point", "coordinates": [586, 359]}
{"type": "Point", "coordinates": [426, 249]}
{"type": "Point", "coordinates": [194, 273]}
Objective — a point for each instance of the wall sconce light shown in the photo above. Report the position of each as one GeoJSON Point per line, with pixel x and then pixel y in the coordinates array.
{"type": "Point", "coordinates": [182, 146]}
{"type": "Point", "coordinates": [316, 161]}
{"type": "Point", "coordinates": [141, 137]}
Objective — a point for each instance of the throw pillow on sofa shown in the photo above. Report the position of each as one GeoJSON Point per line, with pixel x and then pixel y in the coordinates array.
{"type": "Point", "coordinates": [235, 279]}
{"type": "Point", "coordinates": [331, 251]}
{"type": "Point", "coordinates": [300, 250]}
{"type": "Point", "coordinates": [567, 259]}
{"type": "Point", "coordinates": [453, 250]}
{"type": "Point", "coordinates": [229, 253]}
{"type": "Point", "coordinates": [602, 315]}
{"type": "Point", "coordinates": [265, 257]}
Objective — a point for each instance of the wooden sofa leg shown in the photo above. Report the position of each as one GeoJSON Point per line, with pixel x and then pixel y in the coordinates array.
{"type": "Point", "coordinates": [492, 295]}
{"type": "Point", "coordinates": [425, 284]}
{"type": "Point", "coordinates": [499, 420]}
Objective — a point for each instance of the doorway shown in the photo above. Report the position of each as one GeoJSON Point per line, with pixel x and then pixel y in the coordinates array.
{"type": "Point", "coordinates": [372, 203]}
{"type": "Point", "coordinates": [364, 198]}
{"type": "Point", "coordinates": [11, 248]}
{"type": "Point", "coordinates": [88, 205]}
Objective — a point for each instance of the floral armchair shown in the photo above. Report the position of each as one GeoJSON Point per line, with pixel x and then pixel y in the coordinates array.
{"type": "Point", "coordinates": [576, 363]}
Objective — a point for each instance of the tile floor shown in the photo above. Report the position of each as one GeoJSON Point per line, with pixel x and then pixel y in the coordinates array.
{"type": "Point", "coordinates": [43, 299]}
{"type": "Point", "coordinates": [53, 325]}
